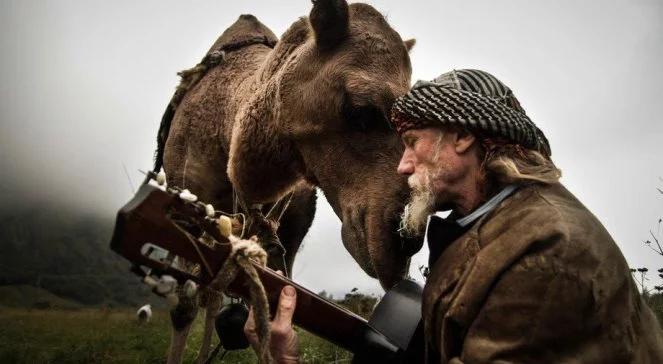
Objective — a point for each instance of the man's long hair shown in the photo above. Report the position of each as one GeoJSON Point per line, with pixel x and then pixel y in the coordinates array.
{"type": "Point", "coordinates": [506, 163]}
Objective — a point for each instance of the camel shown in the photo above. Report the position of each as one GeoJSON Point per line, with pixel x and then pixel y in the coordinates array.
{"type": "Point", "coordinates": [282, 117]}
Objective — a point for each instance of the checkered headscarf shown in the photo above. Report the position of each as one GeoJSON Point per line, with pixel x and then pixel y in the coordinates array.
{"type": "Point", "coordinates": [472, 99]}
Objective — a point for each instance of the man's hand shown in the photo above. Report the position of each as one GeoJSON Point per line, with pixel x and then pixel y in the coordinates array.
{"type": "Point", "coordinates": [284, 345]}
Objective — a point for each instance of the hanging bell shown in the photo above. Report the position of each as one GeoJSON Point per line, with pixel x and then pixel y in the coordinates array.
{"type": "Point", "coordinates": [230, 326]}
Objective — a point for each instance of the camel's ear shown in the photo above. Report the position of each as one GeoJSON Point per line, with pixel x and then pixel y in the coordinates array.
{"type": "Point", "coordinates": [409, 44]}
{"type": "Point", "coordinates": [329, 19]}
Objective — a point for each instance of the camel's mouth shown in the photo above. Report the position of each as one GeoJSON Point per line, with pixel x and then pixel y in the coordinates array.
{"type": "Point", "coordinates": [376, 245]}
{"type": "Point", "coordinates": [409, 245]}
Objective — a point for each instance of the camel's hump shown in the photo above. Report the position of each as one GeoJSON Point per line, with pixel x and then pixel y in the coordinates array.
{"type": "Point", "coordinates": [245, 27]}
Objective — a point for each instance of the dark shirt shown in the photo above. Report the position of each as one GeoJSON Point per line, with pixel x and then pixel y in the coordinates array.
{"type": "Point", "coordinates": [441, 232]}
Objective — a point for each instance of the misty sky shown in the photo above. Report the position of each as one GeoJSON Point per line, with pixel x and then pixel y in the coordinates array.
{"type": "Point", "coordinates": [83, 85]}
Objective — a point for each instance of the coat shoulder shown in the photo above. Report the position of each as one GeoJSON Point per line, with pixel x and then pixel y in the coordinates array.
{"type": "Point", "coordinates": [528, 216]}
{"type": "Point", "coordinates": [547, 215]}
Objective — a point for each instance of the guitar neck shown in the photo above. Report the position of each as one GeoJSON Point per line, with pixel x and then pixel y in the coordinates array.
{"type": "Point", "coordinates": [313, 313]}
{"type": "Point", "coordinates": [146, 235]}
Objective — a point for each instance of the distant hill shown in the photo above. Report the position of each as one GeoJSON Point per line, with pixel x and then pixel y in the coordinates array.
{"type": "Point", "coordinates": [33, 297]}
{"type": "Point", "coordinates": [65, 252]}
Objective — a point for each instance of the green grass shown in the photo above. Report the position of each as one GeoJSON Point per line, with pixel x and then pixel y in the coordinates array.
{"type": "Point", "coordinates": [113, 336]}
{"type": "Point", "coordinates": [655, 301]}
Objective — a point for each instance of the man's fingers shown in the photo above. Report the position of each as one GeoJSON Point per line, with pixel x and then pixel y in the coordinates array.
{"type": "Point", "coordinates": [286, 308]}
{"type": "Point", "coordinates": [250, 324]}
{"type": "Point", "coordinates": [283, 343]}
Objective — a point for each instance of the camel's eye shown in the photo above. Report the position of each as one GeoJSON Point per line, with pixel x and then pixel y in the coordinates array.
{"type": "Point", "coordinates": [365, 117]}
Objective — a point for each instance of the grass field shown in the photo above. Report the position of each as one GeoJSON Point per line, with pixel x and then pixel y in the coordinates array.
{"type": "Point", "coordinates": [113, 336]}
{"type": "Point", "coordinates": [88, 335]}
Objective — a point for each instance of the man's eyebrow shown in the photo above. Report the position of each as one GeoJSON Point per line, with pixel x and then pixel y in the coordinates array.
{"type": "Point", "coordinates": [408, 139]}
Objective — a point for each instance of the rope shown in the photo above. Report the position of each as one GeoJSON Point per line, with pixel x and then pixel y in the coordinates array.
{"type": "Point", "coordinates": [242, 254]}
{"type": "Point", "coordinates": [284, 206]}
{"type": "Point", "coordinates": [191, 76]}
{"type": "Point", "coordinates": [273, 216]}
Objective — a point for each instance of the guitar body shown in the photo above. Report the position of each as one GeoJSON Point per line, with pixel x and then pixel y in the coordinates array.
{"type": "Point", "coordinates": [162, 234]}
{"type": "Point", "coordinates": [398, 318]}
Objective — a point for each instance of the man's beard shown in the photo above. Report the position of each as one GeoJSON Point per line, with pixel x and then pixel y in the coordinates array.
{"type": "Point", "coordinates": [419, 207]}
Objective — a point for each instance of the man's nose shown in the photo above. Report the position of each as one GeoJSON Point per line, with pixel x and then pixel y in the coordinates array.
{"type": "Point", "coordinates": [406, 164]}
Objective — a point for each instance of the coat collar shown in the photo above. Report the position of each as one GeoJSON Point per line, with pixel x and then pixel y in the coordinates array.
{"type": "Point", "coordinates": [482, 210]}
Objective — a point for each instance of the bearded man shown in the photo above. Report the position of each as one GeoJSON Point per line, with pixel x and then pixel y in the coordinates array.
{"type": "Point", "coordinates": [521, 271]}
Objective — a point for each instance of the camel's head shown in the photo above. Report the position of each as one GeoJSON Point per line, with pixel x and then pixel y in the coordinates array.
{"type": "Point", "coordinates": [335, 93]}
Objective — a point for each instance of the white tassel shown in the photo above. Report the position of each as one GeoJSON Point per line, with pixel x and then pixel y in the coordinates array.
{"type": "Point", "coordinates": [225, 225]}
{"type": "Point", "coordinates": [154, 183]}
{"type": "Point", "coordinates": [161, 177]}
{"type": "Point", "coordinates": [209, 210]}
{"type": "Point", "coordinates": [144, 313]}
{"type": "Point", "coordinates": [151, 282]}
{"type": "Point", "coordinates": [186, 195]}
{"type": "Point", "coordinates": [167, 284]}
{"type": "Point", "coordinates": [190, 288]}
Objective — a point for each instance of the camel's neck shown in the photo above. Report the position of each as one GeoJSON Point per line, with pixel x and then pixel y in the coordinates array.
{"type": "Point", "coordinates": [255, 134]}
{"type": "Point", "coordinates": [257, 85]}
{"type": "Point", "coordinates": [292, 39]}
{"type": "Point", "coordinates": [255, 77]}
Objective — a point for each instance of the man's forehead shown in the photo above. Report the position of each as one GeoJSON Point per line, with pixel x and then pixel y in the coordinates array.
{"type": "Point", "coordinates": [421, 132]}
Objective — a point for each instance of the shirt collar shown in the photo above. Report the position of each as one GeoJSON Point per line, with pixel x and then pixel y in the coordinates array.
{"type": "Point", "coordinates": [487, 207]}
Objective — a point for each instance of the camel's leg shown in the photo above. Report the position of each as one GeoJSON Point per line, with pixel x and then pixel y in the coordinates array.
{"type": "Point", "coordinates": [181, 317]}
{"type": "Point", "coordinates": [177, 345]}
{"type": "Point", "coordinates": [213, 305]}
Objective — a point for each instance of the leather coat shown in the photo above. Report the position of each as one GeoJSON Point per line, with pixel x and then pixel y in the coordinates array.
{"type": "Point", "coordinates": [537, 280]}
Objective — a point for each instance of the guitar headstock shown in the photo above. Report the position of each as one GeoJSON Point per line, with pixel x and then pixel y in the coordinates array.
{"type": "Point", "coordinates": [166, 231]}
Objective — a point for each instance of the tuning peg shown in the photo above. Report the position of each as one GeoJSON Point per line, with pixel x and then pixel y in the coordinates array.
{"type": "Point", "coordinates": [190, 288]}
{"type": "Point", "coordinates": [209, 210]}
{"type": "Point", "coordinates": [225, 225]}
{"type": "Point", "coordinates": [186, 195]}
{"type": "Point", "coordinates": [161, 177]}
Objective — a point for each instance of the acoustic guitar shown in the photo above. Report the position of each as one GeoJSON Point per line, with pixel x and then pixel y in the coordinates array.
{"type": "Point", "coordinates": [162, 233]}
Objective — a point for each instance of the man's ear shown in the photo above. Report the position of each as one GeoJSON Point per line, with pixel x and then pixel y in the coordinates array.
{"type": "Point", "coordinates": [463, 140]}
